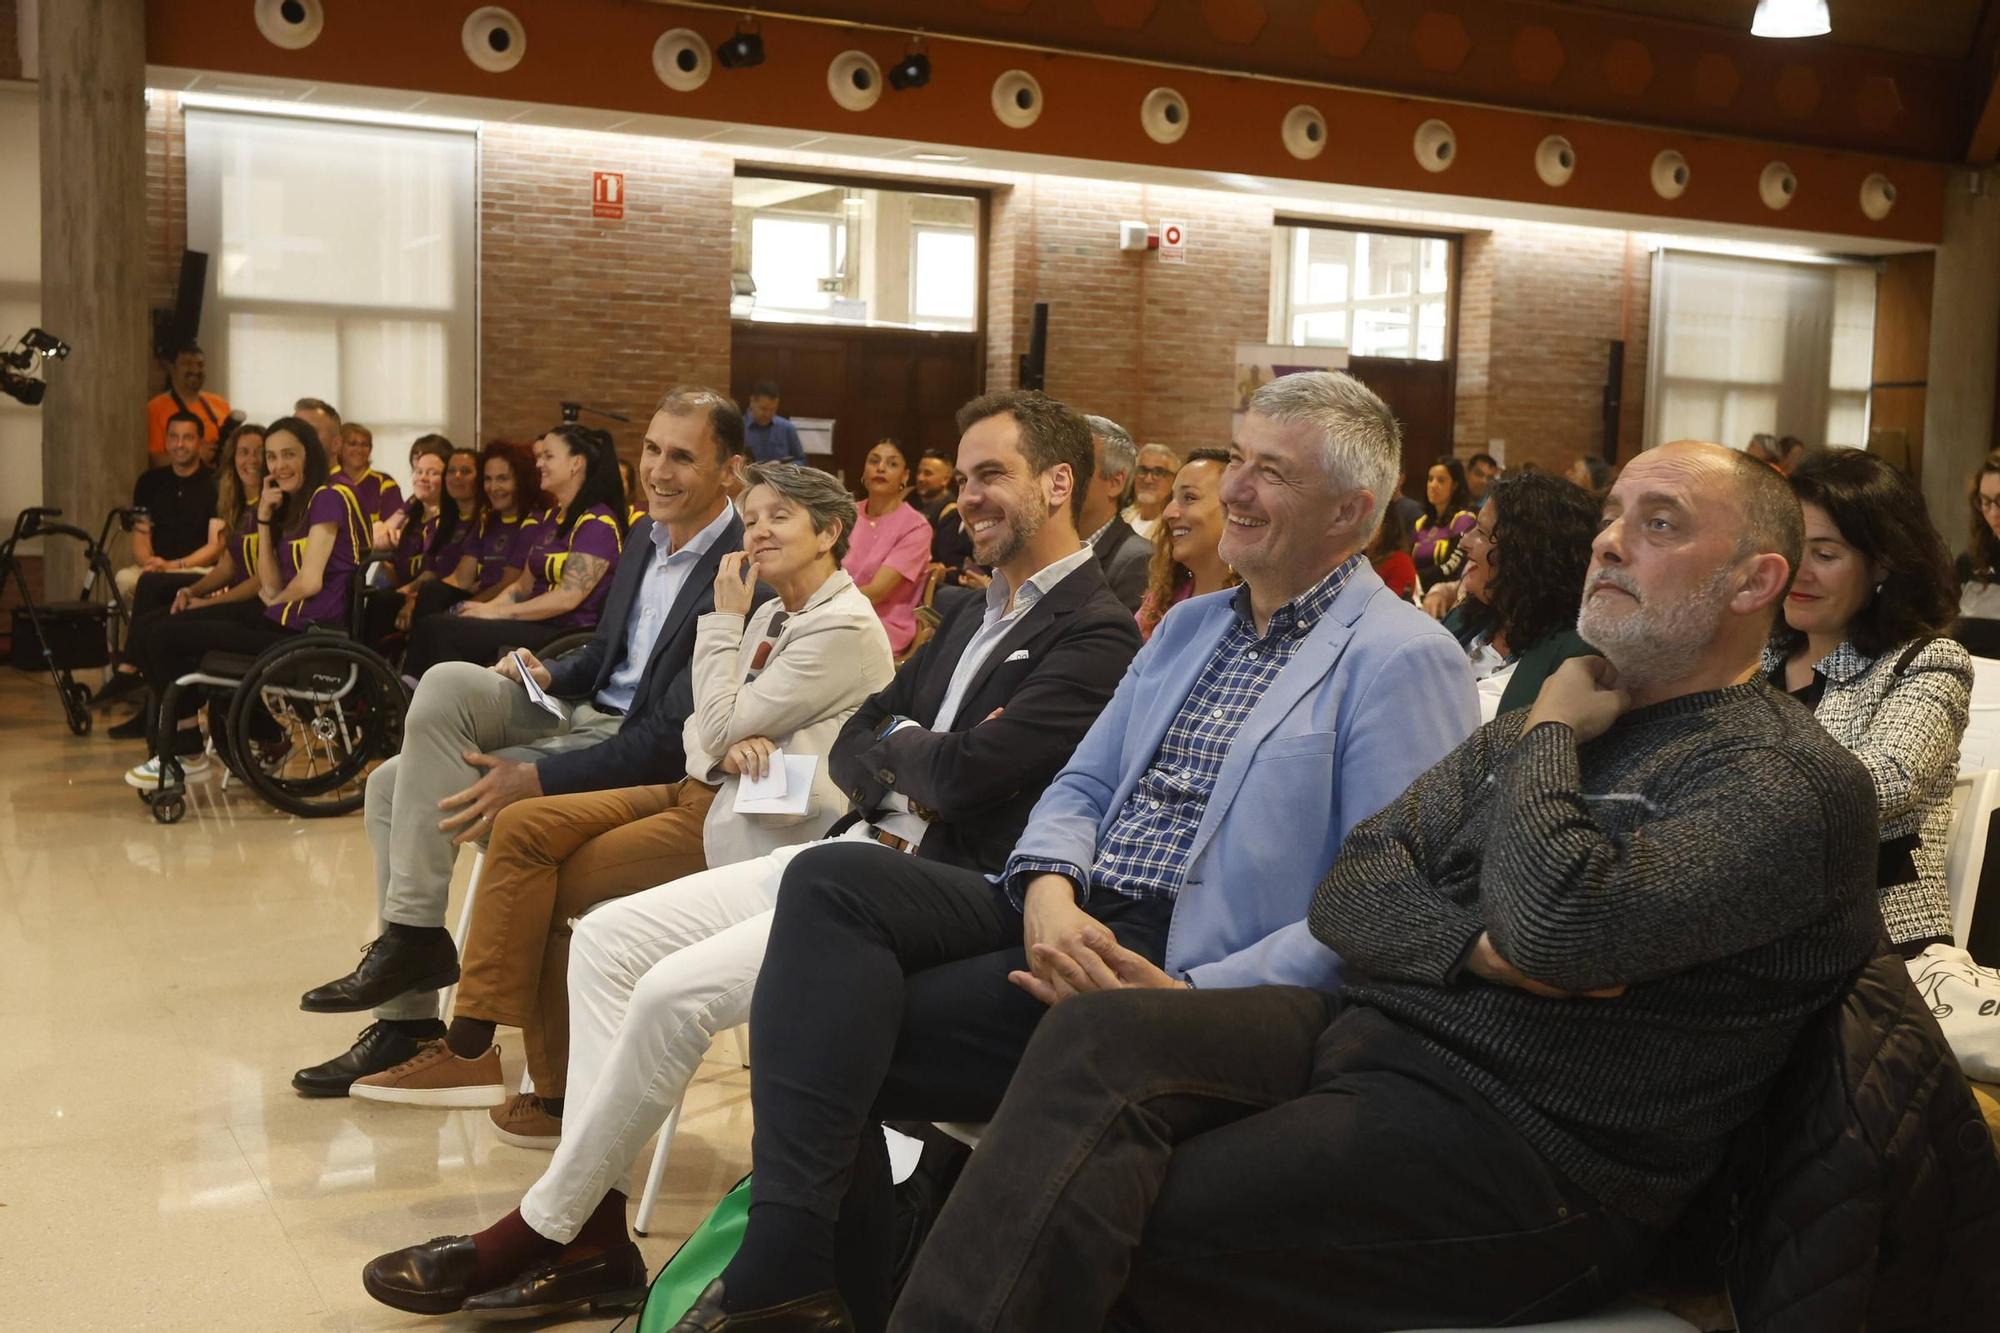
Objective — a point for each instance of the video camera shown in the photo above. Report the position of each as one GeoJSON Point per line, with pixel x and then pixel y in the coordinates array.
{"type": "Point", "coordinates": [22, 367]}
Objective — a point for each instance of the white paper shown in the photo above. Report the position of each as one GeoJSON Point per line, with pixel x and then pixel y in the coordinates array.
{"type": "Point", "coordinates": [785, 789]}
{"type": "Point", "coordinates": [536, 695]}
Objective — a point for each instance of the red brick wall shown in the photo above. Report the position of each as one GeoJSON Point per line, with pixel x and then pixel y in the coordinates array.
{"type": "Point", "coordinates": [166, 205]}
{"type": "Point", "coordinates": [1560, 296]}
{"type": "Point", "coordinates": [610, 313]}
{"type": "Point", "coordinates": [613, 312]}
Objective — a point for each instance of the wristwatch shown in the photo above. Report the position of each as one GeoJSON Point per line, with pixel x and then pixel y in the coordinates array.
{"type": "Point", "coordinates": [889, 725]}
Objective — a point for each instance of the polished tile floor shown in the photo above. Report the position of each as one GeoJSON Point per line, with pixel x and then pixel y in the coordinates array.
{"type": "Point", "coordinates": [160, 1172]}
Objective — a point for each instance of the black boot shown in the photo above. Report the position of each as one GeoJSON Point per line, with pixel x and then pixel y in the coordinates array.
{"type": "Point", "coordinates": [399, 960]}
{"type": "Point", "coordinates": [380, 1046]}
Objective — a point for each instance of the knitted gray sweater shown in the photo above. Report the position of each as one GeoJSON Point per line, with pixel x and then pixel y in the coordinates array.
{"type": "Point", "coordinates": [1715, 854]}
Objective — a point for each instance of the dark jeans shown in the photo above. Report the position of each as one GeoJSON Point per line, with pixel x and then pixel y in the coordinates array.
{"type": "Point", "coordinates": [448, 638]}
{"type": "Point", "coordinates": [1255, 1158]}
{"type": "Point", "coordinates": [168, 647]}
{"type": "Point", "coordinates": [884, 996]}
{"type": "Point", "coordinates": [155, 592]}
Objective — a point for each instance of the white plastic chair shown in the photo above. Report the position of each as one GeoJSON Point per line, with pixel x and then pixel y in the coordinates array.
{"type": "Point", "coordinates": [658, 1170]}
{"type": "Point", "coordinates": [450, 992]}
{"type": "Point", "coordinates": [1974, 798]}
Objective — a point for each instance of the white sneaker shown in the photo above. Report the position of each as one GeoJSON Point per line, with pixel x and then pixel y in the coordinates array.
{"type": "Point", "coordinates": [146, 776]}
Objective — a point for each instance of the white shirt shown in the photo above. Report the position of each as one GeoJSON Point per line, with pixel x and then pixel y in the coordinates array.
{"type": "Point", "coordinates": [993, 627]}
{"type": "Point", "coordinates": [1145, 527]}
{"type": "Point", "coordinates": [659, 588]}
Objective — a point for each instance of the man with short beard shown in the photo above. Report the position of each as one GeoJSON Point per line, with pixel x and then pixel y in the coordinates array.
{"type": "Point", "coordinates": [1178, 848]}
{"type": "Point", "coordinates": [1580, 950]}
{"type": "Point", "coordinates": [943, 766]}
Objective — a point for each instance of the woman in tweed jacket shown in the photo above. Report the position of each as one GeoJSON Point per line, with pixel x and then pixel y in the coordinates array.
{"type": "Point", "coordinates": [1859, 646]}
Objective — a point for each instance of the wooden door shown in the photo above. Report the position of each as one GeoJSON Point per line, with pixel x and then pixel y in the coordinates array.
{"type": "Point", "coordinates": [872, 382]}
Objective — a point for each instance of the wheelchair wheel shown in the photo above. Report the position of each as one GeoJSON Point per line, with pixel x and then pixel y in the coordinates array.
{"type": "Point", "coordinates": [311, 720]}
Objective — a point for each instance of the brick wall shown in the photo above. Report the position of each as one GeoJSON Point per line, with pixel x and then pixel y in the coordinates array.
{"type": "Point", "coordinates": [611, 312]}
{"type": "Point", "coordinates": [1560, 295]}
{"type": "Point", "coordinates": [166, 207]}
{"type": "Point", "coordinates": [604, 312]}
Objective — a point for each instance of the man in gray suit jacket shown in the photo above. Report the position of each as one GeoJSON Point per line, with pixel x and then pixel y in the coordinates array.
{"type": "Point", "coordinates": [474, 742]}
{"type": "Point", "coordinates": [1124, 554]}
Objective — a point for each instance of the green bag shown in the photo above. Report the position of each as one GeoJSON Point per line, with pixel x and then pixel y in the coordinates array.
{"type": "Point", "coordinates": [698, 1262]}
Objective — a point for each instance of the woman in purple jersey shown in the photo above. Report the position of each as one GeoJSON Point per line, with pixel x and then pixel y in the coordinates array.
{"type": "Point", "coordinates": [486, 559]}
{"type": "Point", "coordinates": [308, 541]}
{"type": "Point", "coordinates": [566, 560]}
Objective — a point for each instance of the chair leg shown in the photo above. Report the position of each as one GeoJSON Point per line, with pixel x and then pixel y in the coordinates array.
{"type": "Point", "coordinates": [741, 1032]}
{"type": "Point", "coordinates": [654, 1173]}
{"type": "Point", "coordinates": [459, 931]}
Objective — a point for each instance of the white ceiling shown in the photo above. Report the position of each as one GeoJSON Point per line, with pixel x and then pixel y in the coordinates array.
{"type": "Point", "coordinates": [985, 165]}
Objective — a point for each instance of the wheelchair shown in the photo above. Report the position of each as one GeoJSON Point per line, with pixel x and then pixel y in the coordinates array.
{"type": "Point", "coordinates": [304, 722]}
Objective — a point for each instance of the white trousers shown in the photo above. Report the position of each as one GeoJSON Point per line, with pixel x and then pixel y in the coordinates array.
{"type": "Point", "coordinates": [652, 978]}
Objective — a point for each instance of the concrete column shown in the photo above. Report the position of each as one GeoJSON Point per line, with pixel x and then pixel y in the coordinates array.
{"type": "Point", "coordinates": [1965, 347]}
{"type": "Point", "coordinates": [92, 63]}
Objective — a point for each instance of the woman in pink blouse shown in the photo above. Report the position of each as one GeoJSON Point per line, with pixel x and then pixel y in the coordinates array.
{"type": "Point", "coordinates": [891, 546]}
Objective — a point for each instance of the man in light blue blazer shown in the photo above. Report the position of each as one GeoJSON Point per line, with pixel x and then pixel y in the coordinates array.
{"type": "Point", "coordinates": [1369, 698]}
{"type": "Point", "coordinates": [1180, 846]}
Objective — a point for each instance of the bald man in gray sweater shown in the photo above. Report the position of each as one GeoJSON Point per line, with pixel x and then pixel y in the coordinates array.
{"type": "Point", "coordinates": [1577, 951]}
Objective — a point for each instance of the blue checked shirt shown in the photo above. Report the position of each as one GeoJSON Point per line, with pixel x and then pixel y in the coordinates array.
{"type": "Point", "coordinates": [1144, 854]}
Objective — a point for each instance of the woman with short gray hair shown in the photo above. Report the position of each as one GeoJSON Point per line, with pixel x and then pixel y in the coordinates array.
{"type": "Point", "coordinates": [773, 683]}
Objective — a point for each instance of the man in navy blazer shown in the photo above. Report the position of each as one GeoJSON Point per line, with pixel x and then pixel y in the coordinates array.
{"type": "Point", "coordinates": [474, 741]}
{"type": "Point", "coordinates": [1180, 847]}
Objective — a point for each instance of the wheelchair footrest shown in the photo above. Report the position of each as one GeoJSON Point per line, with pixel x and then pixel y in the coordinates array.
{"type": "Point", "coordinates": [227, 664]}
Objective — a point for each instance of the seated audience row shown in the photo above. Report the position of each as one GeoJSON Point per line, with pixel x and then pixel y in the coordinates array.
{"type": "Point", "coordinates": [1549, 952]}
{"type": "Point", "coordinates": [305, 549]}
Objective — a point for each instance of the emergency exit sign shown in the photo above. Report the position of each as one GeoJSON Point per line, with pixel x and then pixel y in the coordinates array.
{"type": "Point", "coordinates": [607, 194]}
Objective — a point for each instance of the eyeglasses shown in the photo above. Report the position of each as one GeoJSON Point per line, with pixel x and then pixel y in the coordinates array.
{"type": "Point", "coordinates": [1156, 473]}
{"type": "Point", "coordinates": [1987, 503]}
{"type": "Point", "coordinates": [1486, 538]}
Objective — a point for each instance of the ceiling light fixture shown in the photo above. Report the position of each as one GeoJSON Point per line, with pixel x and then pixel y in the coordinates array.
{"type": "Point", "coordinates": [1791, 18]}
{"type": "Point", "coordinates": [743, 50]}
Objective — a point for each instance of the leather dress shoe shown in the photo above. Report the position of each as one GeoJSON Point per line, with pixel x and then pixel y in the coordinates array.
{"type": "Point", "coordinates": [391, 965]}
{"type": "Point", "coordinates": [432, 1278]}
{"type": "Point", "coordinates": [379, 1047]}
{"type": "Point", "coordinates": [821, 1312]}
{"type": "Point", "coordinates": [610, 1283]}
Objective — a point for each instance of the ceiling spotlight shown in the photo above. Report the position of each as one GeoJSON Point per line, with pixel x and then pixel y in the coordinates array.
{"type": "Point", "coordinates": [913, 70]}
{"type": "Point", "coordinates": [743, 50]}
{"type": "Point", "coordinates": [1791, 18]}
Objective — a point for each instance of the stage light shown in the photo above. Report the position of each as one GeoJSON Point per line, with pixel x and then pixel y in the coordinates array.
{"type": "Point", "coordinates": [913, 70]}
{"type": "Point", "coordinates": [743, 50]}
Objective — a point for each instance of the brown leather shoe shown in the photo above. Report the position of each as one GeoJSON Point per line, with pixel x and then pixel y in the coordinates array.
{"type": "Point", "coordinates": [821, 1312]}
{"type": "Point", "coordinates": [525, 1123]}
{"type": "Point", "coordinates": [434, 1076]}
{"type": "Point", "coordinates": [432, 1278]}
{"type": "Point", "coordinates": [610, 1283]}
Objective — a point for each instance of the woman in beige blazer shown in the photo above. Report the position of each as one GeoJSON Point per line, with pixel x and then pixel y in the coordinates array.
{"type": "Point", "coordinates": [780, 676]}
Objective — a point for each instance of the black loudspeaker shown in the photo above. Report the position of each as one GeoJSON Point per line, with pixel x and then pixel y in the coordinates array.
{"type": "Point", "coordinates": [1034, 362]}
{"type": "Point", "coordinates": [1614, 398]}
{"type": "Point", "coordinates": [182, 325]}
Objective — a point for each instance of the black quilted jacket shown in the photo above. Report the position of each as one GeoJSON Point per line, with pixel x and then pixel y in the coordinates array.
{"type": "Point", "coordinates": [1868, 1195]}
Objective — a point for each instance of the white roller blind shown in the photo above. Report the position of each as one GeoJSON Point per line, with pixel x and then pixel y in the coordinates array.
{"type": "Point", "coordinates": [1742, 347]}
{"type": "Point", "coordinates": [342, 265]}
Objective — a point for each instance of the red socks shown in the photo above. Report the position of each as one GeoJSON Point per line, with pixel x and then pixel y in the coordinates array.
{"type": "Point", "coordinates": [509, 1248]}
{"type": "Point", "coordinates": [603, 1231]}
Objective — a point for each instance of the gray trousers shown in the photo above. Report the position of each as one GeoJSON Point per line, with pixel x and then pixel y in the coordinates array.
{"type": "Point", "coordinates": [458, 707]}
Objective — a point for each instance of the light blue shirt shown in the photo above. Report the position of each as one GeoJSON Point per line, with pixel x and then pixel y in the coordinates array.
{"type": "Point", "coordinates": [659, 588]}
{"type": "Point", "coordinates": [993, 627]}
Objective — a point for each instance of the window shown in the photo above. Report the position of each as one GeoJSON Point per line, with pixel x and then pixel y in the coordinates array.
{"type": "Point", "coordinates": [341, 266]}
{"type": "Point", "coordinates": [1373, 293]}
{"type": "Point", "coordinates": [814, 252]}
{"type": "Point", "coordinates": [1744, 347]}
